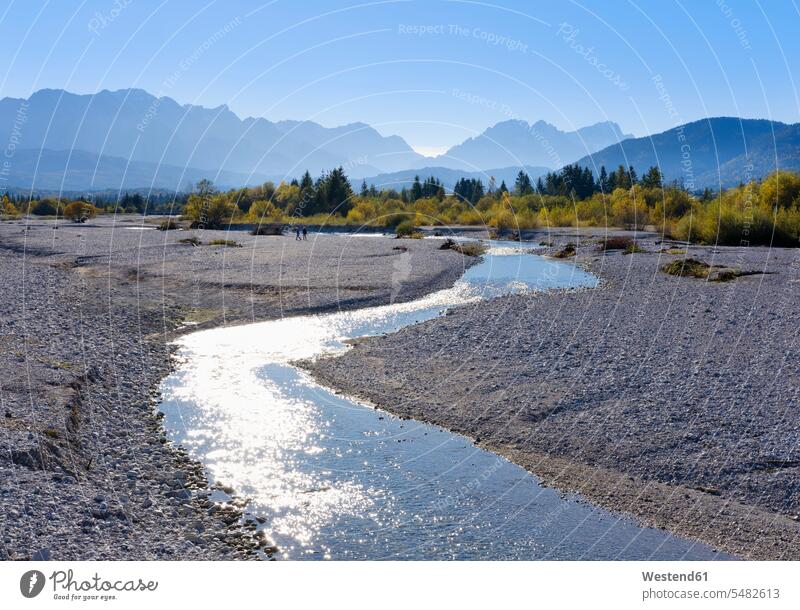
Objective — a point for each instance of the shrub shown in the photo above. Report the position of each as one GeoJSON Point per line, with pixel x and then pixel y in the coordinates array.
{"type": "Point", "coordinates": [615, 243]}
{"type": "Point", "coordinates": [264, 210]}
{"type": "Point", "coordinates": [190, 240]}
{"type": "Point", "coordinates": [567, 251]}
{"type": "Point", "coordinates": [687, 267]}
{"type": "Point", "coordinates": [470, 248]}
{"type": "Point", "coordinates": [210, 212]}
{"type": "Point", "coordinates": [45, 207]}
{"type": "Point", "coordinates": [467, 248]}
{"type": "Point", "coordinates": [229, 243]}
{"type": "Point", "coordinates": [405, 229]}
{"type": "Point", "coordinates": [634, 248]}
{"type": "Point", "coordinates": [80, 211]}
{"type": "Point", "coordinates": [725, 275]}
{"type": "Point", "coordinates": [7, 208]}
{"type": "Point", "coordinates": [167, 225]}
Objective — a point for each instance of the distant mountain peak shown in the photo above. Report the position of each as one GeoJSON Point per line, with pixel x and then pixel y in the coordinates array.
{"type": "Point", "coordinates": [515, 142]}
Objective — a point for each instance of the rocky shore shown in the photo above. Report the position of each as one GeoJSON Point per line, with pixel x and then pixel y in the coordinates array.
{"type": "Point", "coordinates": [671, 398]}
{"type": "Point", "coordinates": [86, 316]}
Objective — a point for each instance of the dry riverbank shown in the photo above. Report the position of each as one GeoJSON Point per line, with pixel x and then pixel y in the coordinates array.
{"type": "Point", "coordinates": [670, 398]}
{"type": "Point", "coordinates": [86, 315]}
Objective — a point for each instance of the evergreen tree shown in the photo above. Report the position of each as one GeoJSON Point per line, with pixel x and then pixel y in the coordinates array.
{"type": "Point", "coordinates": [332, 193]}
{"type": "Point", "coordinates": [603, 183]}
{"type": "Point", "coordinates": [523, 184]}
{"type": "Point", "coordinates": [652, 178]}
{"type": "Point", "coordinates": [622, 179]}
{"type": "Point", "coordinates": [416, 189]}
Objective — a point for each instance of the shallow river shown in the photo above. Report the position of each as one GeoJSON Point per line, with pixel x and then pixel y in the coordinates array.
{"type": "Point", "coordinates": [337, 479]}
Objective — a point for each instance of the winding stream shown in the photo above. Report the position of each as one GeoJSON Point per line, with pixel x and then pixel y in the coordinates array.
{"type": "Point", "coordinates": [336, 479]}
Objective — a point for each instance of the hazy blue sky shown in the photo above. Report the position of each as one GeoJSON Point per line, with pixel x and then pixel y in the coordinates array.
{"type": "Point", "coordinates": [432, 72]}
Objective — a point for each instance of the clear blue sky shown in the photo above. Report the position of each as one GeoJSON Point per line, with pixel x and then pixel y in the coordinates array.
{"type": "Point", "coordinates": [432, 72]}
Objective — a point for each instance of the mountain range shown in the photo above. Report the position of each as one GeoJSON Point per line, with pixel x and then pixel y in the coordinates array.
{"type": "Point", "coordinates": [516, 143]}
{"type": "Point", "coordinates": [720, 151]}
{"type": "Point", "coordinates": [133, 125]}
{"type": "Point", "coordinates": [130, 139]}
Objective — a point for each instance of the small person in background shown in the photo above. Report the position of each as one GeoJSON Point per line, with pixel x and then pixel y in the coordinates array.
{"type": "Point", "coordinates": [297, 233]}
{"type": "Point", "coordinates": [305, 233]}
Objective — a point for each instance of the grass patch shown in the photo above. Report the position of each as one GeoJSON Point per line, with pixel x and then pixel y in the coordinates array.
{"type": "Point", "coordinates": [687, 267]}
{"type": "Point", "coordinates": [190, 240]}
{"type": "Point", "coordinates": [228, 243]}
{"type": "Point", "coordinates": [673, 251]}
{"type": "Point", "coordinates": [568, 251]}
{"type": "Point", "coordinates": [51, 433]}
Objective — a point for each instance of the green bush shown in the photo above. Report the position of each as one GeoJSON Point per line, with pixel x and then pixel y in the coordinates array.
{"type": "Point", "coordinates": [45, 207]}
{"type": "Point", "coordinates": [405, 229]}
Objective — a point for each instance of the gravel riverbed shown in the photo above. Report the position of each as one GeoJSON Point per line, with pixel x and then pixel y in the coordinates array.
{"type": "Point", "coordinates": [86, 316]}
{"type": "Point", "coordinates": [674, 399]}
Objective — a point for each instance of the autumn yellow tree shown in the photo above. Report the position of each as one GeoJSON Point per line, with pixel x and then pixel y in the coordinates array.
{"type": "Point", "coordinates": [79, 211]}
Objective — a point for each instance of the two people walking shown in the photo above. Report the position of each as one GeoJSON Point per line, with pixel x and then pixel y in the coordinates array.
{"type": "Point", "coordinates": [298, 231]}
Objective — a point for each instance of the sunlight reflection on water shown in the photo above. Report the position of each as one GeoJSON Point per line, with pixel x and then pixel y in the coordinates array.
{"type": "Point", "coordinates": [334, 478]}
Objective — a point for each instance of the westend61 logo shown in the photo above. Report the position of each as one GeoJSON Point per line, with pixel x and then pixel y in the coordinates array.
{"type": "Point", "coordinates": [67, 587]}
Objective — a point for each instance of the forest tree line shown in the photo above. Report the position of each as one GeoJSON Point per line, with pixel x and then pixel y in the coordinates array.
{"type": "Point", "coordinates": [760, 212]}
